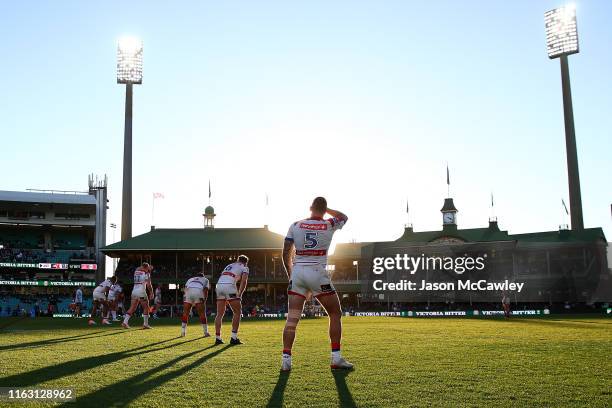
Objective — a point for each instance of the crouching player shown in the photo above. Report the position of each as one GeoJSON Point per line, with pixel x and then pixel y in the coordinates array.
{"type": "Point", "coordinates": [141, 294]}
{"type": "Point", "coordinates": [227, 292]}
{"type": "Point", "coordinates": [307, 276]}
{"type": "Point", "coordinates": [115, 296]}
{"type": "Point", "coordinates": [157, 302]}
{"type": "Point", "coordinates": [196, 293]}
{"type": "Point", "coordinates": [99, 300]}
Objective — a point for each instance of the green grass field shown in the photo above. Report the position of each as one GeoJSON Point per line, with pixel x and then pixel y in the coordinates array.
{"type": "Point", "coordinates": [399, 362]}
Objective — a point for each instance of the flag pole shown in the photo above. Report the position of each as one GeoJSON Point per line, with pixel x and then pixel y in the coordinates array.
{"type": "Point", "coordinates": [447, 181]}
{"type": "Point", "coordinates": [267, 211]}
{"type": "Point", "coordinates": [566, 211]}
{"type": "Point", "coordinates": [209, 192]}
{"type": "Point", "coordinates": [408, 212]}
{"type": "Point", "coordinates": [153, 210]}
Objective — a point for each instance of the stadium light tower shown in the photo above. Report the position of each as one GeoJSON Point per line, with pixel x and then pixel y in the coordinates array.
{"type": "Point", "coordinates": [561, 41]}
{"type": "Point", "coordinates": [129, 72]}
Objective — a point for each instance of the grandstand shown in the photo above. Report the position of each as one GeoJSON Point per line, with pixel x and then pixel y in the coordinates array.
{"type": "Point", "coordinates": [50, 244]}
{"type": "Point", "coordinates": [563, 267]}
{"type": "Point", "coordinates": [179, 253]}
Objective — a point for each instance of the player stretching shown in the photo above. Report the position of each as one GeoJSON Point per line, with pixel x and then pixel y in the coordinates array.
{"type": "Point", "coordinates": [196, 293]}
{"type": "Point", "coordinates": [99, 299]}
{"type": "Point", "coordinates": [227, 292]}
{"type": "Point", "coordinates": [307, 276]}
{"type": "Point", "coordinates": [140, 295]}
{"type": "Point", "coordinates": [115, 295]}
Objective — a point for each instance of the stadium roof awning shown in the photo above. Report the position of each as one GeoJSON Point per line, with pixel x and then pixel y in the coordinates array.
{"type": "Point", "coordinates": [200, 239]}
{"type": "Point", "coordinates": [47, 198]}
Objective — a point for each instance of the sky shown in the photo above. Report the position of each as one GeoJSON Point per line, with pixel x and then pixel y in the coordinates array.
{"type": "Point", "coordinates": [363, 102]}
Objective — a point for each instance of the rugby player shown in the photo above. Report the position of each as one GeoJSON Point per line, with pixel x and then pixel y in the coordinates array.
{"type": "Point", "coordinates": [99, 300]}
{"type": "Point", "coordinates": [506, 304]}
{"type": "Point", "coordinates": [228, 293]}
{"type": "Point", "coordinates": [78, 302]}
{"type": "Point", "coordinates": [157, 302]}
{"type": "Point", "coordinates": [308, 277]}
{"type": "Point", "coordinates": [196, 293]}
{"type": "Point", "coordinates": [141, 293]}
{"type": "Point", "coordinates": [115, 296]}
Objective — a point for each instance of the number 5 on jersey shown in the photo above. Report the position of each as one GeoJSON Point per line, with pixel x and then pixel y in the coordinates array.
{"type": "Point", "coordinates": [310, 240]}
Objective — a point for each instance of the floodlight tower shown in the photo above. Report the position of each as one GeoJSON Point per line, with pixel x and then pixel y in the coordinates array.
{"type": "Point", "coordinates": [561, 41]}
{"type": "Point", "coordinates": [129, 72]}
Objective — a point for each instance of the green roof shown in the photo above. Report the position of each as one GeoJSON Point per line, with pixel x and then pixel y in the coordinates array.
{"type": "Point", "coordinates": [468, 235]}
{"type": "Point", "coordinates": [474, 235]}
{"type": "Point", "coordinates": [200, 239]}
{"type": "Point", "coordinates": [586, 235]}
{"type": "Point", "coordinates": [209, 210]}
{"type": "Point", "coordinates": [448, 205]}
{"type": "Point", "coordinates": [492, 233]}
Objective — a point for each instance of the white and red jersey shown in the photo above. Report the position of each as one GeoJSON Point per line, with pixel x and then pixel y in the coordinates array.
{"type": "Point", "coordinates": [198, 282]}
{"type": "Point", "coordinates": [101, 288]}
{"type": "Point", "coordinates": [114, 291]}
{"type": "Point", "coordinates": [158, 294]}
{"type": "Point", "coordinates": [312, 238]}
{"type": "Point", "coordinates": [233, 272]}
{"type": "Point", "coordinates": [141, 277]}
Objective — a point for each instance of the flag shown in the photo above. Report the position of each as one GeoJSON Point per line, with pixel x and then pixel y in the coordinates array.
{"type": "Point", "coordinates": [447, 176]}
{"type": "Point", "coordinates": [209, 191]}
{"type": "Point", "coordinates": [407, 207]}
{"type": "Point", "coordinates": [158, 195]}
{"type": "Point", "coordinates": [492, 200]}
{"type": "Point", "coordinates": [564, 206]}
{"type": "Point", "coordinates": [267, 200]}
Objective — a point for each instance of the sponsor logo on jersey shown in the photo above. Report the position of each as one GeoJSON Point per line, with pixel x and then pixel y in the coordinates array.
{"type": "Point", "coordinates": [311, 252]}
{"type": "Point", "coordinates": [316, 227]}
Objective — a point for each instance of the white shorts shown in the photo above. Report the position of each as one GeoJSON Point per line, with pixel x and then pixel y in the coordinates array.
{"type": "Point", "coordinates": [226, 291]}
{"type": "Point", "coordinates": [310, 280]}
{"type": "Point", "coordinates": [193, 296]}
{"type": "Point", "coordinates": [139, 292]}
{"type": "Point", "coordinates": [99, 296]}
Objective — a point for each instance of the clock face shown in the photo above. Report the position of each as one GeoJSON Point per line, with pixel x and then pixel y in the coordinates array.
{"type": "Point", "coordinates": [449, 218]}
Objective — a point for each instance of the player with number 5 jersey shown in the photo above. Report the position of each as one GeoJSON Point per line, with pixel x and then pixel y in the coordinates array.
{"type": "Point", "coordinates": [311, 238]}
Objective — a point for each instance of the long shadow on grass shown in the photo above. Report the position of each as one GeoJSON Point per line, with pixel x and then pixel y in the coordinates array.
{"type": "Point", "coordinates": [123, 392]}
{"type": "Point", "coordinates": [62, 340]}
{"type": "Point", "coordinates": [12, 322]}
{"type": "Point", "coordinates": [78, 366]}
{"type": "Point", "coordinates": [344, 394]}
{"type": "Point", "coordinates": [549, 323]}
{"type": "Point", "coordinates": [276, 399]}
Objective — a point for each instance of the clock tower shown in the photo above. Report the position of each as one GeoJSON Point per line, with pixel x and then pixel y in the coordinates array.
{"type": "Point", "coordinates": [449, 214]}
